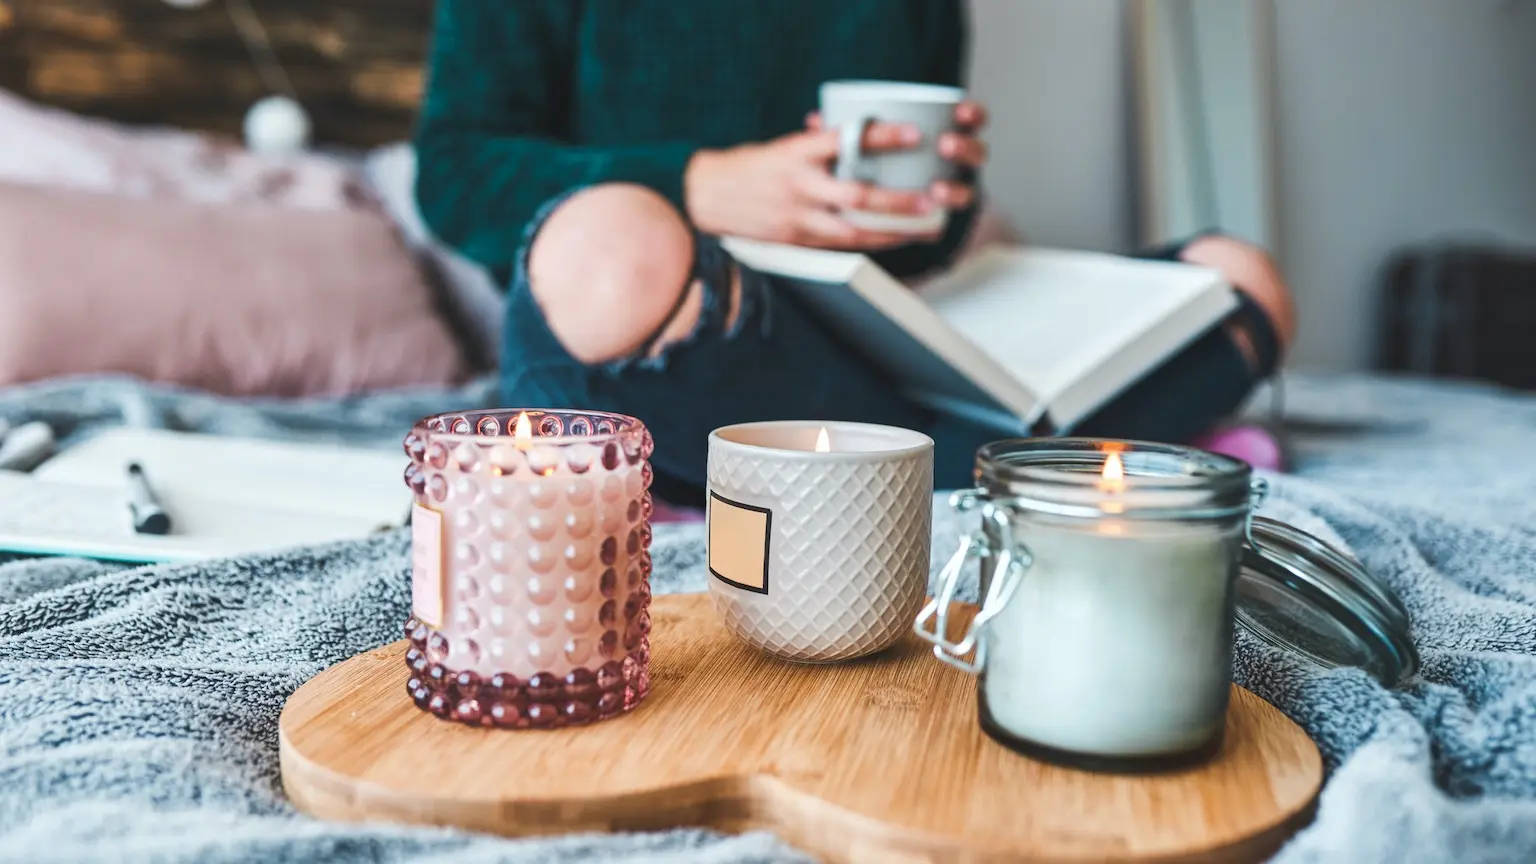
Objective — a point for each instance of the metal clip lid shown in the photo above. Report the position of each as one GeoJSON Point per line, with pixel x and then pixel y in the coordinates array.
{"type": "Point", "coordinates": [1012, 559]}
{"type": "Point", "coordinates": [1296, 592]}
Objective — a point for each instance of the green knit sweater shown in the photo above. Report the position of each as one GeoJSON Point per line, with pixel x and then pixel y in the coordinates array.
{"type": "Point", "coordinates": [527, 99]}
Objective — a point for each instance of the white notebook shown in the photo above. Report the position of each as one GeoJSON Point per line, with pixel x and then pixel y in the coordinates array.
{"type": "Point", "coordinates": [225, 496]}
{"type": "Point", "coordinates": [1026, 341]}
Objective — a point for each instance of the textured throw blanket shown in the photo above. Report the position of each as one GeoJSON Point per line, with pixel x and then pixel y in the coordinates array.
{"type": "Point", "coordinates": [138, 707]}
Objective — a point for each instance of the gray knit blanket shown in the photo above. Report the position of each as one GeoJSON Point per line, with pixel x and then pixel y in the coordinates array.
{"type": "Point", "coordinates": [139, 706]}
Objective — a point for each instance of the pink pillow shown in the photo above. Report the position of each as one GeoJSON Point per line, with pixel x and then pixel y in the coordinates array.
{"type": "Point", "coordinates": [51, 147]}
{"type": "Point", "coordinates": [240, 299]}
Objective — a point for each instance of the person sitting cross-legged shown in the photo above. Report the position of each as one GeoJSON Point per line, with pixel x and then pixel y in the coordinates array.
{"type": "Point", "coordinates": [593, 153]}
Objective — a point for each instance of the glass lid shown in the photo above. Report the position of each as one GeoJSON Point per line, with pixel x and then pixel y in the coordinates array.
{"type": "Point", "coordinates": [1296, 592]}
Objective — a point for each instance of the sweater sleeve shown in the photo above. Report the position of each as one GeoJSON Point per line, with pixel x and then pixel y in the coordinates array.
{"type": "Point", "coordinates": [951, 38]}
{"type": "Point", "coordinates": [488, 143]}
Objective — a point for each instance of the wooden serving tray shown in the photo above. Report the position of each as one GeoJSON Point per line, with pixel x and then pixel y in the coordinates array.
{"type": "Point", "coordinates": [876, 760]}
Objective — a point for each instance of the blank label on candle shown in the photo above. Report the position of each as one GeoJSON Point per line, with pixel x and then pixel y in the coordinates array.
{"type": "Point", "coordinates": [427, 565]}
{"type": "Point", "coordinates": [738, 543]}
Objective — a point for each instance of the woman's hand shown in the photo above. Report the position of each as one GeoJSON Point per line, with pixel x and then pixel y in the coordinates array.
{"type": "Point", "coordinates": [963, 147]}
{"type": "Point", "coordinates": [782, 191]}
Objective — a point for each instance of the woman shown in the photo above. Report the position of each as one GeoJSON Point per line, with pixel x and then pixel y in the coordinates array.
{"type": "Point", "coordinates": [591, 152]}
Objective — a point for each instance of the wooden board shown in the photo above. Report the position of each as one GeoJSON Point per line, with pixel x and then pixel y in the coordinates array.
{"type": "Point", "coordinates": [878, 760]}
{"type": "Point", "coordinates": [356, 64]}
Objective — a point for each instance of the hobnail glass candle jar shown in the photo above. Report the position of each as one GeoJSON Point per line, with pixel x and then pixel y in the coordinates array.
{"type": "Point", "coordinates": [530, 566]}
{"type": "Point", "coordinates": [1108, 571]}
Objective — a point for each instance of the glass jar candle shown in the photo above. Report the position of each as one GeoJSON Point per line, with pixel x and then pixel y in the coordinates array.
{"type": "Point", "coordinates": [530, 588]}
{"type": "Point", "coordinates": [1108, 569]}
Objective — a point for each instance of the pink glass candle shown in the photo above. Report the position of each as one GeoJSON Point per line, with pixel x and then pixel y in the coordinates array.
{"type": "Point", "coordinates": [530, 585]}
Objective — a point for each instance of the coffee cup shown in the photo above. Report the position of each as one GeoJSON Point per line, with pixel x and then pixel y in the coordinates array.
{"type": "Point", "coordinates": [852, 106]}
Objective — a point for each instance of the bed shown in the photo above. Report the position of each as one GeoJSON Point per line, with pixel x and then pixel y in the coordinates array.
{"type": "Point", "coordinates": [138, 706]}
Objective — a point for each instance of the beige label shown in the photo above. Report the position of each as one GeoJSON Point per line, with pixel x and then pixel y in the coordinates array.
{"type": "Point", "coordinates": [738, 543]}
{"type": "Point", "coordinates": [427, 565]}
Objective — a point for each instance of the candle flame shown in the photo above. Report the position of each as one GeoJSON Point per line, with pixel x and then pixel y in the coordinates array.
{"type": "Point", "coordinates": [823, 443]}
{"type": "Point", "coordinates": [1112, 480]}
{"type": "Point", "coordinates": [522, 431]}
{"type": "Point", "coordinates": [1113, 477]}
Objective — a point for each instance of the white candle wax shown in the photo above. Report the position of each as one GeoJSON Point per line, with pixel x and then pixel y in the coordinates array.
{"type": "Point", "coordinates": [1118, 639]}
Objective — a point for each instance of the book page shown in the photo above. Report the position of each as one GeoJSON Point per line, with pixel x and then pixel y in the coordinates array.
{"type": "Point", "coordinates": [1052, 318]}
{"type": "Point", "coordinates": [1013, 331]}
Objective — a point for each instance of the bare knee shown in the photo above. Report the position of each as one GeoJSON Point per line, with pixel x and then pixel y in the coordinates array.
{"type": "Point", "coordinates": [1253, 272]}
{"type": "Point", "coordinates": [608, 268]}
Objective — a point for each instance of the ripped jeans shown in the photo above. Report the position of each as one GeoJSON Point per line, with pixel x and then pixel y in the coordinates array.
{"type": "Point", "coordinates": [777, 362]}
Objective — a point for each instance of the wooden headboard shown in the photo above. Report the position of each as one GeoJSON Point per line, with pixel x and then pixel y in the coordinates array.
{"type": "Point", "coordinates": [356, 64]}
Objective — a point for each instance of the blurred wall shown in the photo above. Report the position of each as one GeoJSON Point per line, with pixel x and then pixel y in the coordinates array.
{"type": "Point", "coordinates": [1398, 121]}
{"type": "Point", "coordinates": [1055, 73]}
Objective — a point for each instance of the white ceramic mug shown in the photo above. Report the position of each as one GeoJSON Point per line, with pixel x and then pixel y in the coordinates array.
{"type": "Point", "coordinates": [819, 556]}
{"type": "Point", "coordinates": [851, 106]}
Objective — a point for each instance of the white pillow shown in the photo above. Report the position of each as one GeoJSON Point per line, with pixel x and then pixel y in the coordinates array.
{"type": "Point", "coordinates": [476, 304]}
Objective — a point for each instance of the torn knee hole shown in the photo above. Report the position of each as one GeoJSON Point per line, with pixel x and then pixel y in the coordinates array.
{"type": "Point", "coordinates": [693, 313]}
{"type": "Point", "coordinates": [1242, 337]}
{"type": "Point", "coordinates": [733, 309]}
{"type": "Point", "coordinates": [681, 322]}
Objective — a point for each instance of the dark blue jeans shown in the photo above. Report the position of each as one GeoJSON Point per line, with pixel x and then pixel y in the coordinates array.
{"type": "Point", "coordinates": [777, 362]}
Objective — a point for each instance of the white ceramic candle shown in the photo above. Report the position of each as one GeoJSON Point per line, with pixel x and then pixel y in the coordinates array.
{"type": "Point", "coordinates": [1108, 644]}
{"type": "Point", "coordinates": [819, 535]}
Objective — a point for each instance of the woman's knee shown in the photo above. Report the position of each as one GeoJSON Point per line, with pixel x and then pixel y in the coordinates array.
{"type": "Point", "coordinates": [608, 267]}
{"type": "Point", "coordinates": [1251, 271]}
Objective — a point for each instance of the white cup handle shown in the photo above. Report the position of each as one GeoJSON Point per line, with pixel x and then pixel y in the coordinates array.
{"type": "Point", "coordinates": [1012, 559]}
{"type": "Point", "coordinates": [850, 148]}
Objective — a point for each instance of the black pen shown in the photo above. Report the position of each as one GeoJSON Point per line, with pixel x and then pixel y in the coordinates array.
{"type": "Point", "coordinates": [148, 516]}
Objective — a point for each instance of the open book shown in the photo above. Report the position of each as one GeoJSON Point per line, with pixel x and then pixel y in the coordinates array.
{"type": "Point", "coordinates": [1025, 341]}
{"type": "Point", "coordinates": [225, 496]}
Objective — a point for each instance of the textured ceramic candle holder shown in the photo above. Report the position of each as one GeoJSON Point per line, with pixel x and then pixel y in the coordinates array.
{"type": "Point", "coordinates": [530, 587]}
{"type": "Point", "coordinates": [819, 556]}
